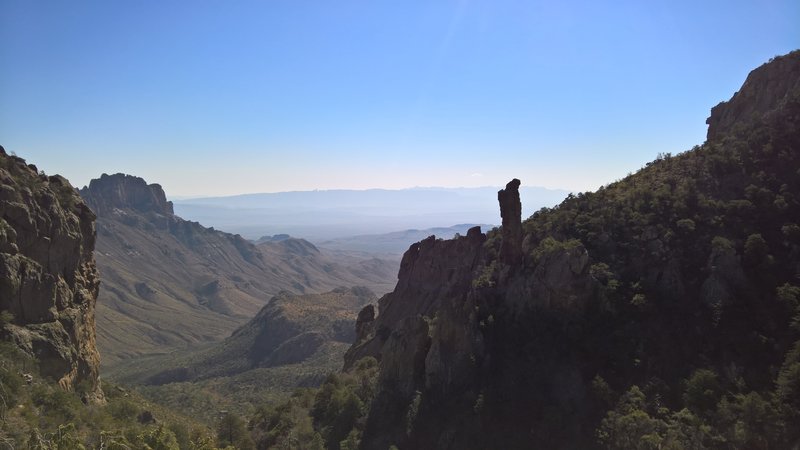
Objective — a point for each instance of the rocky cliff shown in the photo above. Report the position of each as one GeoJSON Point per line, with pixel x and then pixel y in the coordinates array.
{"type": "Point", "coordinates": [766, 89]}
{"type": "Point", "coordinates": [527, 336]}
{"type": "Point", "coordinates": [48, 278]}
{"type": "Point", "coordinates": [120, 191]}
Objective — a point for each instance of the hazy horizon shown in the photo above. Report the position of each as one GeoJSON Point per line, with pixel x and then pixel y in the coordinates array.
{"type": "Point", "coordinates": [410, 188]}
{"type": "Point", "coordinates": [328, 214]}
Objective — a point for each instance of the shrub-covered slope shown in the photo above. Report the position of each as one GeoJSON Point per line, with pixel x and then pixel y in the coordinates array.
{"type": "Point", "coordinates": [294, 341]}
{"type": "Point", "coordinates": [659, 312]}
{"type": "Point", "coordinates": [36, 413]}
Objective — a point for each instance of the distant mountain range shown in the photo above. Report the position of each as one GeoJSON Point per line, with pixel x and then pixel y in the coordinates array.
{"type": "Point", "coordinates": [331, 214]}
{"type": "Point", "coordinates": [394, 244]}
{"type": "Point", "coordinates": [169, 283]}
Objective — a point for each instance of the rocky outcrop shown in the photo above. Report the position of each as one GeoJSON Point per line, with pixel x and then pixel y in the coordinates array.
{"type": "Point", "coordinates": [559, 280]}
{"type": "Point", "coordinates": [421, 289]}
{"type": "Point", "coordinates": [726, 276]}
{"type": "Point", "coordinates": [436, 334]}
{"type": "Point", "coordinates": [526, 337]}
{"type": "Point", "coordinates": [120, 191]}
{"type": "Point", "coordinates": [511, 213]}
{"type": "Point", "coordinates": [48, 278]}
{"type": "Point", "coordinates": [765, 89]}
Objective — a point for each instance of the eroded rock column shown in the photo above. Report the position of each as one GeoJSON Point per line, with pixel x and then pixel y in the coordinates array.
{"type": "Point", "coordinates": [511, 212]}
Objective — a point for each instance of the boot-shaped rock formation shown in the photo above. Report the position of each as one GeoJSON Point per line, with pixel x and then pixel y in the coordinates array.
{"type": "Point", "coordinates": [511, 212]}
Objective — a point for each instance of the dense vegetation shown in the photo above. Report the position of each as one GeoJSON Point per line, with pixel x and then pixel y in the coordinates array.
{"type": "Point", "coordinates": [693, 330]}
{"type": "Point", "coordinates": [683, 330]}
{"type": "Point", "coordinates": [699, 260]}
{"type": "Point", "coordinates": [330, 417]}
{"type": "Point", "coordinates": [35, 413]}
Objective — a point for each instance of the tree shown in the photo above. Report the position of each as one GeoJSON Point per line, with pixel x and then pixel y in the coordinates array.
{"type": "Point", "coordinates": [629, 426]}
{"type": "Point", "coordinates": [159, 438]}
{"type": "Point", "coordinates": [703, 391]}
{"type": "Point", "coordinates": [755, 250]}
{"type": "Point", "coordinates": [231, 430]}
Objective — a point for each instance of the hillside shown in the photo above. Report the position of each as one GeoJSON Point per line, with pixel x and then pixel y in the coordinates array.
{"type": "Point", "coordinates": [673, 288]}
{"type": "Point", "coordinates": [661, 311]}
{"type": "Point", "coordinates": [294, 341]}
{"type": "Point", "coordinates": [168, 283]}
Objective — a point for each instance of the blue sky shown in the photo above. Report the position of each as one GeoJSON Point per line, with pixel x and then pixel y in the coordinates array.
{"type": "Point", "coordinates": [216, 98]}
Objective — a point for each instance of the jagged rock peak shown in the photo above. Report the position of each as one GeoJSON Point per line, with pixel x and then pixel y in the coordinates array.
{"type": "Point", "coordinates": [48, 278]}
{"type": "Point", "coordinates": [765, 89]}
{"type": "Point", "coordinates": [511, 212]}
{"type": "Point", "coordinates": [125, 192]}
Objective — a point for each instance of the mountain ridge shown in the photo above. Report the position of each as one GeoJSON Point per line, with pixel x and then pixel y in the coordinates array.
{"type": "Point", "coordinates": [657, 309]}
{"type": "Point", "coordinates": [325, 215]}
{"type": "Point", "coordinates": [169, 283]}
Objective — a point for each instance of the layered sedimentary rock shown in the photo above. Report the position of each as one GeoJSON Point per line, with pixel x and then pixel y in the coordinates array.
{"type": "Point", "coordinates": [48, 278]}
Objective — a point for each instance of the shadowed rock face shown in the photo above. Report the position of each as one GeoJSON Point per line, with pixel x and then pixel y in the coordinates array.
{"type": "Point", "coordinates": [432, 271]}
{"type": "Point", "coordinates": [495, 341]}
{"type": "Point", "coordinates": [511, 212]}
{"type": "Point", "coordinates": [48, 278]}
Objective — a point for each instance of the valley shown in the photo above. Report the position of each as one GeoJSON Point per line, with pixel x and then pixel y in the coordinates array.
{"type": "Point", "coordinates": [169, 283]}
{"type": "Point", "coordinates": [661, 310]}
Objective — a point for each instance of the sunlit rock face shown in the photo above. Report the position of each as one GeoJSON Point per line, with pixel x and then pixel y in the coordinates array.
{"type": "Point", "coordinates": [48, 277]}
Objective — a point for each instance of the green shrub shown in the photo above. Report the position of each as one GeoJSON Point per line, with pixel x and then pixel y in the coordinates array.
{"type": "Point", "coordinates": [5, 318]}
{"type": "Point", "coordinates": [123, 409]}
{"type": "Point", "coordinates": [485, 278]}
{"type": "Point", "coordinates": [56, 403]}
{"type": "Point", "coordinates": [703, 391]}
{"type": "Point", "coordinates": [755, 249]}
{"type": "Point", "coordinates": [685, 225]}
{"type": "Point", "coordinates": [231, 430]}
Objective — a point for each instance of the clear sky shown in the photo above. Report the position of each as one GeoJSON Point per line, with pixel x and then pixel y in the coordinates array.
{"type": "Point", "coordinates": [225, 97]}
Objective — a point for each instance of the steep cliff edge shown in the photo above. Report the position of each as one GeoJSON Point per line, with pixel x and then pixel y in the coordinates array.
{"type": "Point", "coordinates": [687, 271]}
{"type": "Point", "coordinates": [120, 191]}
{"type": "Point", "coordinates": [48, 278]}
{"type": "Point", "coordinates": [766, 89]}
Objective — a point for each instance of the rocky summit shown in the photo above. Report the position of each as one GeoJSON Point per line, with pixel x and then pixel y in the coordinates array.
{"type": "Point", "coordinates": [120, 191]}
{"type": "Point", "coordinates": [48, 276]}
